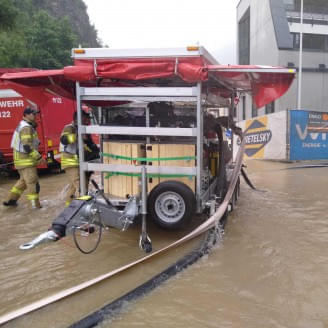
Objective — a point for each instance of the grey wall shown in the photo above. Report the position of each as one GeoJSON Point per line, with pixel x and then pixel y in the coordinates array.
{"type": "Point", "coordinates": [264, 51]}
{"type": "Point", "coordinates": [264, 48]}
{"type": "Point", "coordinates": [314, 84]}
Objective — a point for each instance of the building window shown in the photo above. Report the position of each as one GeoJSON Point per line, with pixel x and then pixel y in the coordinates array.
{"type": "Point", "coordinates": [312, 6]}
{"type": "Point", "coordinates": [244, 39]}
{"type": "Point", "coordinates": [313, 42]}
{"type": "Point", "coordinates": [296, 40]}
{"type": "Point", "coordinates": [269, 108]}
{"type": "Point", "coordinates": [243, 99]}
{"type": "Point", "coordinates": [309, 6]}
{"type": "Point", "coordinates": [254, 110]}
{"type": "Point", "coordinates": [289, 4]}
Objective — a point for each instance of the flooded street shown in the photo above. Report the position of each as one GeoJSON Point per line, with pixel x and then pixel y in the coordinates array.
{"type": "Point", "coordinates": [269, 270]}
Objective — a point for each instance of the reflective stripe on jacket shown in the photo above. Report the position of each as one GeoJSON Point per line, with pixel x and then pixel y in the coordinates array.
{"type": "Point", "coordinates": [29, 137]}
{"type": "Point", "coordinates": [69, 157]}
{"type": "Point", "coordinates": [25, 134]}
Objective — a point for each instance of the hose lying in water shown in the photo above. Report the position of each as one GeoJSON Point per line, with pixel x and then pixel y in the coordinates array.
{"type": "Point", "coordinates": [212, 222]}
{"type": "Point", "coordinates": [244, 174]}
{"type": "Point", "coordinates": [213, 232]}
{"type": "Point", "coordinates": [116, 306]}
{"type": "Point", "coordinates": [307, 166]}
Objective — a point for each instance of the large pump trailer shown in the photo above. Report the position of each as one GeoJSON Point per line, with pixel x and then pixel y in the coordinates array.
{"type": "Point", "coordinates": [165, 155]}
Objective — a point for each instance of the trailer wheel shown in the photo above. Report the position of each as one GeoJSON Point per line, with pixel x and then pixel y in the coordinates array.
{"type": "Point", "coordinates": [171, 204]}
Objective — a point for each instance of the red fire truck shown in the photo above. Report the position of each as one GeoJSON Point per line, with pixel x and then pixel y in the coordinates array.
{"type": "Point", "coordinates": [55, 112]}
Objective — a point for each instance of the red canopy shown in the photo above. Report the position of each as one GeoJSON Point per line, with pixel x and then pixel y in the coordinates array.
{"type": "Point", "coordinates": [266, 83]}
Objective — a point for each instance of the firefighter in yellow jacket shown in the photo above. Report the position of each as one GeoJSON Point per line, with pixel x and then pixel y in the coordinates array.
{"type": "Point", "coordinates": [69, 155]}
{"type": "Point", "coordinates": [25, 144]}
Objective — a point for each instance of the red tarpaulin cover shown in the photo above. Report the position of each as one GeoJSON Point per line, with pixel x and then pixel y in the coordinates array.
{"type": "Point", "coordinates": [266, 83]}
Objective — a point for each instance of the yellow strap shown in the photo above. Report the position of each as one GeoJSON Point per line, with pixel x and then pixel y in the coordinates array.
{"type": "Point", "coordinates": [84, 198]}
{"type": "Point", "coordinates": [27, 136]}
{"type": "Point", "coordinates": [71, 138]}
{"type": "Point", "coordinates": [32, 196]}
{"type": "Point", "coordinates": [16, 191]}
{"type": "Point", "coordinates": [23, 161]}
{"type": "Point", "coordinates": [69, 162]}
{"type": "Point", "coordinates": [35, 154]}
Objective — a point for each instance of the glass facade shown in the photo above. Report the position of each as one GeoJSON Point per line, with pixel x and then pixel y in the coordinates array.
{"type": "Point", "coordinates": [310, 6]}
{"type": "Point", "coordinates": [269, 108]}
{"type": "Point", "coordinates": [244, 107]}
{"type": "Point", "coordinates": [314, 42]}
{"type": "Point", "coordinates": [244, 39]}
{"type": "Point", "coordinates": [254, 110]}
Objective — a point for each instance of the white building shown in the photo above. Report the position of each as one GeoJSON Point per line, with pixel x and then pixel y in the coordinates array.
{"type": "Point", "coordinates": [269, 34]}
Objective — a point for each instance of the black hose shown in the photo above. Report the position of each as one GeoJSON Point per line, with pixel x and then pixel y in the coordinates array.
{"type": "Point", "coordinates": [244, 174]}
{"type": "Point", "coordinates": [101, 193]}
{"type": "Point", "coordinates": [6, 164]}
{"type": "Point", "coordinates": [221, 176]}
{"type": "Point", "coordinates": [116, 306]}
{"type": "Point", "coordinates": [307, 166]}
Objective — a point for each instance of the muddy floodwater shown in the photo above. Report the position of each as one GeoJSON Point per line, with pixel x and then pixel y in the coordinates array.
{"type": "Point", "coordinates": [269, 270]}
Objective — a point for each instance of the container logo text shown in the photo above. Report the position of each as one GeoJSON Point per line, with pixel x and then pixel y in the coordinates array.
{"type": "Point", "coordinates": [256, 137]}
{"type": "Point", "coordinates": [11, 103]}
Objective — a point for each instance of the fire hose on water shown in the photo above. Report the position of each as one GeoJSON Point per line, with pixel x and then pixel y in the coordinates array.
{"type": "Point", "coordinates": [211, 225]}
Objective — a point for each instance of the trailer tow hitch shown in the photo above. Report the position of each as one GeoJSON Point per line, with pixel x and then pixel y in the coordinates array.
{"type": "Point", "coordinates": [43, 238]}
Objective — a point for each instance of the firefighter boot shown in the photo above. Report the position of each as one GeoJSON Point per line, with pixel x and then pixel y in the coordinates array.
{"type": "Point", "coordinates": [13, 196]}
{"type": "Point", "coordinates": [35, 203]}
{"type": "Point", "coordinates": [10, 202]}
{"type": "Point", "coordinates": [34, 199]}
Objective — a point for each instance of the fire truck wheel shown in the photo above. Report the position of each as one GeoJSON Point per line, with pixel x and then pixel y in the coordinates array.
{"type": "Point", "coordinates": [171, 204]}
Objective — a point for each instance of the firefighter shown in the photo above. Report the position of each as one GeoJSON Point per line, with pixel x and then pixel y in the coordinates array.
{"type": "Point", "coordinates": [25, 144]}
{"type": "Point", "coordinates": [69, 155]}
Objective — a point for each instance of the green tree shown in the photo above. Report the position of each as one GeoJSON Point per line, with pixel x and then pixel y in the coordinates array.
{"type": "Point", "coordinates": [8, 14]}
{"type": "Point", "coordinates": [33, 33]}
{"type": "Point", "coordinates": [13, 50]}
{"type": "Point", "coordinates": [49, 41]}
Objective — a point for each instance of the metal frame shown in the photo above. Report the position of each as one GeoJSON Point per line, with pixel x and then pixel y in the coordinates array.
{"type": "Point", "coordinates": [135, 92]}
{"type": "Point", "coordinates": [80, 140]}
{"type": "Point", "coordinates": [193, 94]}
{"type": "Point", "coordinates": [108, 53]}
{"type": "Point", "coordinates": [89, 166]}
{"type": "Point", "coordinates": [140, 131]}
{"type": "Point", "coordinates": [199, 147]}
{"type": "Point", "coordinates": [188, 94]}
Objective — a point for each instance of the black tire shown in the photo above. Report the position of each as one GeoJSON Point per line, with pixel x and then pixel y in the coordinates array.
{"type": "Point", "coordinates": [171, 204]}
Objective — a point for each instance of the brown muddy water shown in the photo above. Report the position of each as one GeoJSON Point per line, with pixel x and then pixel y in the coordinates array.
{"type": "Point", "coordinates": [269, 270]}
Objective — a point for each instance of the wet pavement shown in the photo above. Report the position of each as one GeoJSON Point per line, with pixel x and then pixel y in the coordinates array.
{"type": "Point", "coordinates": [269, 270]}
{"type": "Point", "coordinates": [29, 276]}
